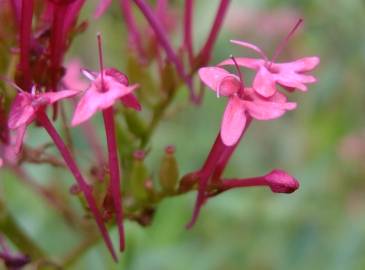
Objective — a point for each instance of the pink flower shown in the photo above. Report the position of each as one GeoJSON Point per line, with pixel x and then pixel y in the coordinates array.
{"type": "Point", "coordinates": [102, 6]}
{"type": "Point", "coordinates": [100, 96]}
{"type": "Point", "coordinates": [71, 79]}
{"type": "Point", "coordinates": [25, 106]}
{"type": "Point", "coordinates": [242, 103]}
{"type": "Point", "coordinates": [290, 75]}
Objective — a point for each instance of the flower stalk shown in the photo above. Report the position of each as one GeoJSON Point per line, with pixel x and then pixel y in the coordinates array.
{"type": "Point", "coordinates": [188, 21]}
{"type": "Point", "coordinates": [206, 51]}
{"type": "Point", "coordinates": [204, 174]}
{"type": "Point", "coordinates": [25, 42]}
{"type": "Point", "coordinates": [165, 44]}
{"type": "Point", "coordinates": [134, 34]}
{"type": "Point", "coordinates": [86, 189]}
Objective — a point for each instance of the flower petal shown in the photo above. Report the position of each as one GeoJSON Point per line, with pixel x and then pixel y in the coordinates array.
{"type": "Point", "coordinates": [291, 83]}
{"type": "Point", "coordinates": [251, 63]}
{"type": "Point", "coordinates": [19, 137]}
{"type": "Point", "coordinates": [264, 82]}
{"type": "Point", "coordinates": [228, 86]}
{"type": "Point", "coordinates": [117, 75]}
{"type": "Point", "coordinates": [301, 65]}
{"type": "Point", "coordinates": [21, 111]}
{"type": "Point", "coordinates": [212, 76]}
{"type": "Point", "coordinates": [265, 110]}
{"type": "Point", "coordinates": [94, 100]}
{"type": "Point", "coordinates": [86, 107]}
{"type": "Point", "coordinates": [234, 121]}
{"type": "Point", "coordinates": [131, 101]}
{"type": "Point", "coordinates": [56, 96]}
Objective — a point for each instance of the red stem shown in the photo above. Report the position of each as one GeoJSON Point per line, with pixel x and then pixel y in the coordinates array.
{"type": "Point", "coordinates": [16, 8]}
{"type": "Point", "coordinates": [115, 184]}
{"type": "Point", "coordinates": [205, 172]}
{"type": "Point", "coordinates": [57, 42]}
{"type": "Point", "coordinates": [245, 182]}
{"type": "Point", "coordinates": [132, 28]}
{"type": "Point", "coordinates": [71, 164]}
{"type": "Point", "coordinates": [165, 44]}
{"type": "Point", "coordinates": [57, 47]}
{"type": "Point", "coordinates": [188, 19]}
{"type": "Point", "coordinates": [25, 40]}
{"type": "Point", "coordinates": [206, 51]}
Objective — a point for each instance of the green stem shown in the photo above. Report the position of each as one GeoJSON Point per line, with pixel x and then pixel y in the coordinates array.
{"type": "Point", "coordinates": [158, 113]}
{"type": "Point", "coordinates": [18, 236]}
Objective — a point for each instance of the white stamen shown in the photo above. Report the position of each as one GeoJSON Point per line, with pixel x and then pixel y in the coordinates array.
{"type": "Point", "coordinates": [88, 74]}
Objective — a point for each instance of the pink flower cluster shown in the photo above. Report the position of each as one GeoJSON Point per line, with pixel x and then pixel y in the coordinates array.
{"type": "Point", "coordinates": [261, 101]}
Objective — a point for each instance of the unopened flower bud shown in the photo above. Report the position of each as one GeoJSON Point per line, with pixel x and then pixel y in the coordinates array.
{"type": "Point", "coordinates": [75, 189]}
{"type": "Point", "coordinates": [139, 174]}
{"type": "Point", "coordinates": [281, 182]}
{"type": "Point", "coordinates": [169, 172]}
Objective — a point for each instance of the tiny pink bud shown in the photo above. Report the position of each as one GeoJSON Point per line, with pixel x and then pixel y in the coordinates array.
{"type": "Point", "coordinates": [75, 189]}
{"type": "Point", "coordinates": [281, 182]}
{"type": "Point", "coordinates": [139, 155]}
{"type": "Point", "coordinates": [170, 149]}
{"type": "Point", "coordinates": [148, 184]}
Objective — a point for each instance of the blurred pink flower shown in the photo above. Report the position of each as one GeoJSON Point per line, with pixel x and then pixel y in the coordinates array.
{"type": "Point", "coordinates": [352, 148]}
{"type": "Point", "coordinates": [102, 6]}
{"type": "Point", "coordinates": [72, 78]}
{"type": "Point", "coordinates": [246, 20]}
{"type": "Point", "coordinates": [242, 103]}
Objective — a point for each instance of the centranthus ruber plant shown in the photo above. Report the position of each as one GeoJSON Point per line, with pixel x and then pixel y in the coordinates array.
{"type": "Point", "coordinates": [123, 186]}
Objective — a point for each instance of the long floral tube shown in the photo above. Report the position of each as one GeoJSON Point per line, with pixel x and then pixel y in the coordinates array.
{"type": "Point", "coordinates": [227, 154]}
{"type": "Point", "coordinates": [108, 116]}
{"type": "Point", "coordinates": [204, 174]}
{"type": "Point", "coordinates": [47, 124]}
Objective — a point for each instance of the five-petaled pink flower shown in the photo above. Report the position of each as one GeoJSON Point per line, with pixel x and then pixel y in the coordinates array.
{"type": "Point", "coordinates": [290, 75]}
{"type": "Point", "coordinates": [26, 105]}
{"type": "Point", "coordinates": [103, 92]}
{"type": "Point", "coordinates": [242, 102]}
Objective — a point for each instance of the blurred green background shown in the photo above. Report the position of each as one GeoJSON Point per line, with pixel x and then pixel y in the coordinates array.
{"type": "Point", "coordinates": [322, 143]}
